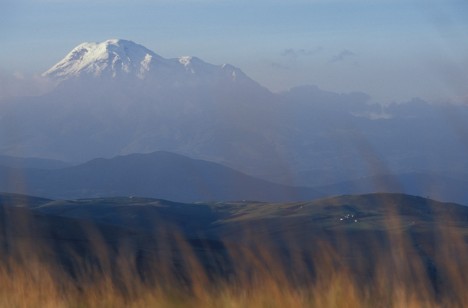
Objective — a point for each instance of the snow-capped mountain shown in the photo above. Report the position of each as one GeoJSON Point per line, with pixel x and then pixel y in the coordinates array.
{"type": "Point", "coordinates": [110, 58]}
{"type": "Point", "coordinates": [123, 59]}
{"type": "Point", "coordinates": [118, 97]}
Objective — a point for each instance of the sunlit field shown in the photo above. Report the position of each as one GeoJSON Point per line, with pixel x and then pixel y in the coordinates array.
{"type": "Point", "coordinates": [254, 268]}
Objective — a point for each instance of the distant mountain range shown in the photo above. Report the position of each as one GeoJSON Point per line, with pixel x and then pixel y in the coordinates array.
{"type": "Point", "coordinates": [159, 175]}
{"type": "Point", "coordinates": [175, 177]}
{"type": "Point", "coordinates": [31, 162]}
{"type": "Point", "coordinates": [450, 187]}
{"type": "Point", "coordinates": [117, 98]}
{"type": "Point", "coordinates": [125, 61]}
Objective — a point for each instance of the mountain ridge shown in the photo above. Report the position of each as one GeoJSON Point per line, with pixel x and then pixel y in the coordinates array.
{"type": "Point", "coordinates": [306, 136]}
{"type": "Point", "coordinates": [124, 59]}
{"type": "Point", "coordinates": [159, 174]}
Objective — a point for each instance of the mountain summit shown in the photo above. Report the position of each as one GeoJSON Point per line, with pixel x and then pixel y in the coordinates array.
{"type": "Point", "coordinates": [110, 58]}
{"type": "Point", "coordinates": [123, 59]}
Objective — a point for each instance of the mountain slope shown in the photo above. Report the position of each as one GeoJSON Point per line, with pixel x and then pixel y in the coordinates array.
{"type": "Point", "coordinates": [435, 186]}
{"type": "Point", "coordinates": [368, 236]}
{"type": "Point", "coordinates": [110, 101]}
{"type": "Point", "coordinates": [103, 107]}
{"type": "Point", "coordinates": [350, 215]}
{"type": "Point", "coordinates": [161, 174]}
{"type": "Point", "coordinates": [31, 162]}
{"type": "Point", "coordinates": [108, 59]}
{"type": "Point", "coordinates": [126, 61]}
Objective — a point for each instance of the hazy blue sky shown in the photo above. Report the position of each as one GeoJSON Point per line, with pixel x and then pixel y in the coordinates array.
{"type": "Point", "coordinates": [393, 50]}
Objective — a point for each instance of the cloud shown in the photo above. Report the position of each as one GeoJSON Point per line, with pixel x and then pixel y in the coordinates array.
{"type": "Point", "coordinates": [456, 100]}
{"type": "Point", "coordinates": [18, 84]}
{"type": "Point", "coordinates": [343, 55]}
{"type": "Point", "coordinates": [295, 53]}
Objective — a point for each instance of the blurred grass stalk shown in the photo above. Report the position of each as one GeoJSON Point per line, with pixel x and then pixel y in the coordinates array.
{"type": "Point", "coordinates": [258, 274]}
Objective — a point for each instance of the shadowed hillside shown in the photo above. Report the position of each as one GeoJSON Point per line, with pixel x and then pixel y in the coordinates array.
{"type": "Point", "coordinates": [389, 250]}
{"type": "Point", "coordinates": [161, 174]}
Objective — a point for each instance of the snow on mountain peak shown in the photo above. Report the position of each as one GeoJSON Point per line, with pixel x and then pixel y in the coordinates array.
{"type": "Point", "coordinates": [185, 60]}
{"type": "Point", "coordinates": [110, 58]}
{"type": "Point", "coordinates": [116, 58]}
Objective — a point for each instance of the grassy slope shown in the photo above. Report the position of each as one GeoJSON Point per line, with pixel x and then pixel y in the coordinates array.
{"type": "Point", "coordinates": [402, 251]}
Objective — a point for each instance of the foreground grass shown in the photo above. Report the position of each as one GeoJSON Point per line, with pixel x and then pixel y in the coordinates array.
{"type": "Point", "coordinates": [37, 288]}
{"type": "Point", "coordinates": [384, 269]}
{"type": "Point", "coordinates": [258, 280]}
